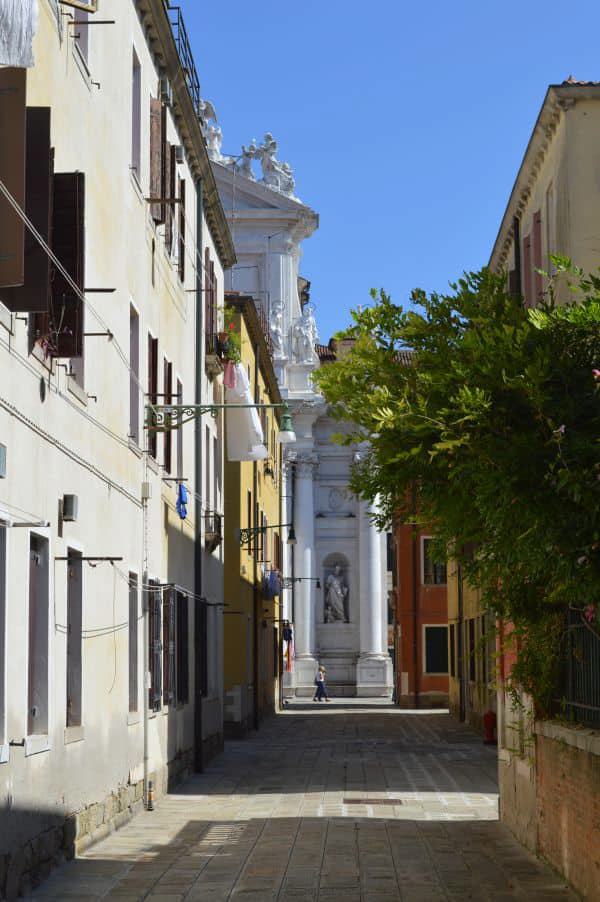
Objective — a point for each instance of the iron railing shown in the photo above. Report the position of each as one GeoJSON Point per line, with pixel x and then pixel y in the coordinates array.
{"type": "Point", "coordinates": [579, 691]}
{"type": "Point", "coordinates": [184, 50]}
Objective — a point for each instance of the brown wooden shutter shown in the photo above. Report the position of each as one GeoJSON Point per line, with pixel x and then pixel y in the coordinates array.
{"type": "Point", "coordinates": [168, 399]}
{"type": "Point", "coordinates": [12, 173]}
{"type": "Point", "coordinates": [68, 244]}
{"type": "Point", "coordinates": [33, 296]}
{"type": "Point", "coordinates": [527, 270]}
{"type": "Point", "coordinates": [156, 157]}
{"type": "Point", "coordinates": [182, 230]}
{"type": "Point", "coordinates": [538, 280]}
{"type": "Point", "coordinates": [152, 389]}
{"type": "Point", "coordinates": [171, 192]}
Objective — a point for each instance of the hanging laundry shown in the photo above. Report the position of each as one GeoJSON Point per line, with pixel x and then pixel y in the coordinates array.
{"type": "Point", "coordinates": [245, 439]}
{"type": "Point", "coordinates": [18, 24]}
{"type": "Point", "coordinates": [274, 583]}
{"type": "Point", "coordinates": [182, 500]}
{"type": "Point", "coordinates": [229, 378]}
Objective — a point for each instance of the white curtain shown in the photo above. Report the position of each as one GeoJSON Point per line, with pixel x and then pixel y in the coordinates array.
{"type": "Point", "coordinates": [245, 439]}
{"type": "Point", "coordinates": [18, 24]}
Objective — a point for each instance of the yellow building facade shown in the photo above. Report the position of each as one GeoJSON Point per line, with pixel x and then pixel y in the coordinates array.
{"type": "Point", "coordinates": [252, 627]}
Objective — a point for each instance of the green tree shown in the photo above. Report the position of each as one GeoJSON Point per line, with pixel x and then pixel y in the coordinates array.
{"type": "Point", "coordinates": [493, 411]}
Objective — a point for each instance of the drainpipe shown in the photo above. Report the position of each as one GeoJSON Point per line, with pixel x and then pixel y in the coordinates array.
{"type": "Point", "coordinates": [200, 643]}
{"type": "Point", "coordinates": [415, 596]}
{"type": "Point", "coordinates": [255, 642]}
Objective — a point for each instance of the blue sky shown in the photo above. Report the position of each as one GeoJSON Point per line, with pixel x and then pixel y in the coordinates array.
{"type": "Point", "coordinates": [405, 123]}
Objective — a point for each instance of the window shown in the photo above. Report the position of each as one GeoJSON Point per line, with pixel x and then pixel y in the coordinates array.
{"type": "Point", "coordinates": [471, 628]}
{"type": "Point", "coordinates": [182, 230]}
{"type": "Point", "coordinates": [38, 647]}
{"type": "Point", "coordinates": [133, 642]}
{"type": "Point", "coordinates": [152, 389]}
{"type": "Point", "coordinates": [436, 649]}
{"type": "Point", "coordinates": [74, 637]}
{"type": "Point", "coordinates": [136, 116]}
{"type": "Point", "coordinates": [434, 572]}
{"type": "Point", "coordinates": [210, 313]}
{"type": "Point", "coordinates": [526, 280]}
{"type": "Point", "coordinates": [183, 645]}
{"type": "Point", "coordinates": [168, 399]}
{"type": "Point", "coordinates": [134, 375]}
{"type": "Point", "coordinates": [3, 584]}
{"type": "Point", "coordinates": [81, 34]}
{"type": "Point", "coordinates": [179, 400]}
{"type": "Point", "coordinates": [13, 109]}
{"type": "Point", "coordinates": [155, 645]}
{"type": "Point", "coordinates": [158, 130]}
{"type": "Point", "coordinates": [452, 650]}
{"type": "Point", "coordinates": [168, 646]}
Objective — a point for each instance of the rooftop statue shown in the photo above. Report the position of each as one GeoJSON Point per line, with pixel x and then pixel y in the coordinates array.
{"type": "Point", "coordinates": [276, 174]}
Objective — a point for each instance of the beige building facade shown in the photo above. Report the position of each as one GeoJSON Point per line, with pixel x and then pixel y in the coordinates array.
{"type": "Point", "coordinates": [111, 624]}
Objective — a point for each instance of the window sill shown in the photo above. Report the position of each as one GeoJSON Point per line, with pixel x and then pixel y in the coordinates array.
{"type": "Point", "coordinates": [37, 743]}
{"type": "Point", "coordinates": [74, 734]}
{"type": "Point", "coordinates": [4, 753]}
{"type": "Point", "coordinates": [76, 390]}
{"type": "Point", "coordinates": [82, 65]}
{"type": "Point", "coordinates": [46, 362]}
{"type": "Point", "coordinates": [133, 446]}
{"type": "Point", "coordinates": [133, 717]}
{"type": "Point", "coordinates": [153, 465]}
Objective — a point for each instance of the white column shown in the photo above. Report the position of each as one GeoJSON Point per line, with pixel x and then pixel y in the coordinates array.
{"type": "Point", "coordinates": [374, 670]}
{"type": "Point", "coordinates": [304, 552]}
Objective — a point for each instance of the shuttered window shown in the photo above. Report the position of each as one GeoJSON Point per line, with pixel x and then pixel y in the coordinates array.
{"type": "Point", "coordinates": [12, 173]}
{"type": "Point", "coordinates": [136, 116]}
{"type": "Point", "coordinates": [183, 652]}
{"type": "Point", "coordinates": [152, 389]}
{"type": "Point", "coordinates": [33, 295]}
{"type": "Point", "coordinates": [168, 646]}
{"type": "Point", "coordinates": [156, 157]}
{"type": "Point", "coordinates": [538, 280]}
{"type": "Point", "coordinates": [155, 646]}
{"type": "Point", "coordinates": [171, 191]}
{"type": "Point", "coordinates": [133, 642]}
{"type": "Point", "coordinates": [182, 230]}
{"type": "Point", "coordinates": [68, 243]}
{"type": "Point", "coordinates": [168, 399]}
{"type": "Point", "coordinates": [526, 280]}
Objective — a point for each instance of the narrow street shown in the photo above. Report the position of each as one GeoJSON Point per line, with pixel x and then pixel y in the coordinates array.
{"type": "Point", "coordinates": [336, 803]}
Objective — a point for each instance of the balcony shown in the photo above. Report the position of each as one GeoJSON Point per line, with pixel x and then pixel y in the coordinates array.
{"type": "Point", "coordinates": [213, 531]}
{"type": "Point", "coordinates": [213, 361]}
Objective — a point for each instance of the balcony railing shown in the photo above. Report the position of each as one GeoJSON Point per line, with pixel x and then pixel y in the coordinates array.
{"type": "Point", "coordinates": [213, 530]}
{"type": "Point", "coordinates": [264, 324]}
{"type": "Point", "coordinates": [184, 50]}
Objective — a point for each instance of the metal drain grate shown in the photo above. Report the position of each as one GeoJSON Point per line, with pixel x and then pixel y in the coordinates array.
{"type": "Point", "coordinates": [371, 801]}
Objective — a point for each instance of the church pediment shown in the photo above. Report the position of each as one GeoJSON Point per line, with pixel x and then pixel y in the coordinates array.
{"type": "Point", "coordinates": [253, 195]}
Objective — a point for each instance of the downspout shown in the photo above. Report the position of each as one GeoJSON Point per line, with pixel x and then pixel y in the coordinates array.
{"type": "Point", "coordinates": [415, 597]}
{"type": "Point", "coordinates": [255, 643]}
{"type": "Point", "coordinates": [200, 643]}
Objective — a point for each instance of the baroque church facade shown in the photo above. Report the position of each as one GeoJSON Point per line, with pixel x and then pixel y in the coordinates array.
{"type": "Point", "coordinates": [335, 584]}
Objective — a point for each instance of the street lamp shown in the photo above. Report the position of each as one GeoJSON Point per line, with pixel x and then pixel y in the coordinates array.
{"type": "Point", "coordinates": [246, 534]}
{"type": "Point", "coordinates": [286, 431]}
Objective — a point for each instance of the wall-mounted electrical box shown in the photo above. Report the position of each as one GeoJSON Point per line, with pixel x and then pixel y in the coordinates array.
{"type": "Point", "coordinates": [70, 508]}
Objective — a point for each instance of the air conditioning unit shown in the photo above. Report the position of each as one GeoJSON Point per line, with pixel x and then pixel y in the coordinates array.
{"type": "Point", "coordinates": [70, 508]}
{"type": "Point", "coordinates": [165, 92]}
{"type": "Point", "coordinates": [179, 154]}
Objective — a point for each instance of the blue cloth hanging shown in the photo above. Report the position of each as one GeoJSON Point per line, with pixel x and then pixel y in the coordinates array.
{"type": "Point", "coordinates": [182, 500]}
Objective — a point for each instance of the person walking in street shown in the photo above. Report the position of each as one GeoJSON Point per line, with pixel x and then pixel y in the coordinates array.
{"type": "Point", "coordinates": [321, 690]}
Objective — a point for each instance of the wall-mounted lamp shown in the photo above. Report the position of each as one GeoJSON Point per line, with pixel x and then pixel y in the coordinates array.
{"type": "Point", "coordinates": [286, 433]}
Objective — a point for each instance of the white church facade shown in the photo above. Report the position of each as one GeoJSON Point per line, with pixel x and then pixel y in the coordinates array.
{"type": "Point", "coordinates": [335, 576]}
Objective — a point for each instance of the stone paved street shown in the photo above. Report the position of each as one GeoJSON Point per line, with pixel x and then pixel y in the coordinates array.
{"type": "Point", "coordinates": [352, 804]}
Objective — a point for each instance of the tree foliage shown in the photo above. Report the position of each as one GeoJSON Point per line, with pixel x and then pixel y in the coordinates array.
{"type": "Point", "coordinates": [493, 411]}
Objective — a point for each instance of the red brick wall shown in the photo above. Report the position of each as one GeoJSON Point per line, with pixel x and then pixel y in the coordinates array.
{"type": "Point", "coordinates": [431, 608]}
{"type": "Point", "coordinates": [568, 800]}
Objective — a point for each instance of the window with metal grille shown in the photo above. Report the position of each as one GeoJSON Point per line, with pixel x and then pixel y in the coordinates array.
{"type": "Point", "coordinates": [74, 637]}
{"type": "Point", "coordinates": [182, 649]}
{"type": "Point", "coordinates": [155, 645]}
{"type": "Point", "coordinates": [168, 646]}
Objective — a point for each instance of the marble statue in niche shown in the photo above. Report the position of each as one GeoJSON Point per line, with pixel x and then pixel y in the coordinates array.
{"type": "Point", "coordinates": [304, 336]}
{"type": "Point", "coordinates": [276, 326]}
{"type": "Point", "coordinates": [336, 595]}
